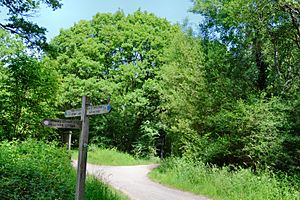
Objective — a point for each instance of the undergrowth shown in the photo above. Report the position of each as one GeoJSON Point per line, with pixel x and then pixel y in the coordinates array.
{"type": "Point", "coordinates": [224, 183]}
{"type": "Point", "coordinates": [38, 170]}
{"type": "Point", "coordinates": [95, 189]}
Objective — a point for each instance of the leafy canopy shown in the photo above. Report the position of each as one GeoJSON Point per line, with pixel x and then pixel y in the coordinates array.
{"type": "Point", "coordinates": [119, 56]}
{"type": "Point", "coordinates": [19, 12]}
{"type": "Point", "coordinates": [27, 90]}
{"type": "Point", "coordinates": [264, 35]}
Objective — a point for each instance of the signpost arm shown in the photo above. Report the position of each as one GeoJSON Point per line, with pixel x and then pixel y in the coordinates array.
{"type": "Point", "coordinates": [82, 154]}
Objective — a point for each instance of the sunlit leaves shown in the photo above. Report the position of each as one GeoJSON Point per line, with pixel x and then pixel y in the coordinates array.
{"type": "Point", "coordinates": [265, 34]}
{"type": "Point", "coordinates": [116, 56]}
{"type": "Point", "coordinates": [28, 89]}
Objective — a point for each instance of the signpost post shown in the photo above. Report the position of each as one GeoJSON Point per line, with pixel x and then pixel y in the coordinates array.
{"type": "Point", "coordinates": [82, 154]}
{"type": "Point", "coordinates": [83, 124]}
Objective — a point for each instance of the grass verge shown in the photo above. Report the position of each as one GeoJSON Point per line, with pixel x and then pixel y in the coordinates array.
{"type": "Point", "coordinates": [95, 189]}
{"type": "Point", "coordinates": [38, 170]}
{"type": "Point", "coordinates": [100, 156]}
{"type": "Point", "coordinates": [223, 184]}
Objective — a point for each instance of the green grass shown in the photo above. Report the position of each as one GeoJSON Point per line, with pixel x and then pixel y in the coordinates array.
{"type": "Point", "coordinates": [96, 190]}
{"type": "Point", "coordinates": [100, 156]}
{"type": "Point", "coordinates": [223, 184]}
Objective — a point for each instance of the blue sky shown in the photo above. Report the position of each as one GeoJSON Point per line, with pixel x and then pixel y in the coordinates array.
{"type": "Point", "coordinates": [74, 10]}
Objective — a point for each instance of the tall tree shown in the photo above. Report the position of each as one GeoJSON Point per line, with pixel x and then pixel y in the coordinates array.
{"type": "Point", "coordinates": [262, 32]}
{"type": "Point", "coordinates": [19, 12]}
{"type": "Point", "coordinates": [28, 89]}
{"type": "Point", "coordinates": [119, 56]}
{"type": "Point", "coordinates": [184, 91]}
{"type": "Point", "coordinates": [246, 44]}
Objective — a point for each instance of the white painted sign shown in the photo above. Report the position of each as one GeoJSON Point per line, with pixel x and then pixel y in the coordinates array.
{"type": "Point", "coordinates": [96, 110]}
{"type": "Point", "coordinates": [73, 113]}
{"type": "Point", "coordinates": [91, 110]}
{"type": "Point", "coordinates": [62, 123]}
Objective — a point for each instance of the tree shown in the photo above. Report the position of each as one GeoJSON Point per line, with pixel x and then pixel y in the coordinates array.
{"type": "Point", "coordinates": [185, 100]}
{"type": "Point", "coordinates": [265, 34]}
{"type": "Point", "coordinates": [221, 102]}
{"type": "Point", "coordinates": [19, 12]}
{"type": "Point", "coordinates": [28, 91]}
{"type": "Point", "coordinates": [116, 56]}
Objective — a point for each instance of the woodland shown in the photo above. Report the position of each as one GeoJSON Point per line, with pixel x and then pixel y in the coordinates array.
{"type": "Point", "coordinates": [225, 93]}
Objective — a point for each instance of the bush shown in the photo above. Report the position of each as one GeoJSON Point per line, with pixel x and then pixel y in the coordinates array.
{"type": "Point", "coordinates": [38, 170]}
{"type": "Point", "coordinates": [34, 170]}
{"type": "Point", "coordinates": [249, 134]}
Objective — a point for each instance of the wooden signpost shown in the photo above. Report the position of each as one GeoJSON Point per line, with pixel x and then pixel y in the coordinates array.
{"type": "Point", "coordinates": [62, 123]}
{"type": "Point", "coordinates": [83, 112]}
{"type": "Point", "coordinates": [82, 154]}
{"type": "Point", "coordinates": [91, 110]}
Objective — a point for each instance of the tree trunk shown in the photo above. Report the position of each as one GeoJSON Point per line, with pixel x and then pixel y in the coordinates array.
{"type": "Point", "coordinates": [262, 66]}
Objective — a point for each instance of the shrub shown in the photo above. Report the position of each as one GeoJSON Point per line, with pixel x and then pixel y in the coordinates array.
{"type": "Point", "coordinates": [249, 134]}
{"type": "Point", "coordinates": [34, 170]}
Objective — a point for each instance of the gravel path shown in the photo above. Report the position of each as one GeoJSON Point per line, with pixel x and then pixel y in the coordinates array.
{"type": "Point", "coordinates": [133, 181]}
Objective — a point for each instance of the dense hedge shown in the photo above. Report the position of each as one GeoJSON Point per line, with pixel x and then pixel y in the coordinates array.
{"type": "Point", "coordinates": [34, 170]}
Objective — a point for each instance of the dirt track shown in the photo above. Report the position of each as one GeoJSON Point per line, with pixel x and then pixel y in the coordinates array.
{"type": "Point", "coordinates": [133, 181]}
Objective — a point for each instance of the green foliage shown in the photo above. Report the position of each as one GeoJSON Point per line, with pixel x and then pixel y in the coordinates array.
{"type": "Point", "coordinates": [146, 146]}
{"type": "Point", "coordinates": [234, 100]}
{"type": "Point", "coordinates": [95, 190]}
{"type": "Point", "coordinates": [34, 170]}
{"type": "Point", "coordinates": [183, 88]}
{"type": "Point", "coordinates": [226, 81]}
{"type": "Point", "coordinates": [223, 183]}
{"type": "Point", "coordinates": [28, 91]}
{"type": "Point", "coordinates": [18, 13]}
{"type": "Point", "coordinates": [249, 134]}
{"type": "Point", "coordinates": [113, 157]}
{"type": "Point", "coordinates": [262, 35]}
{"type": "Point", "coordinates": [231, 97]}
{"type": "Point", "coordinates": [116, 56]}
{"type": "Point", "coordinates": [208, 120]}
{"type": "Point", "coordinates": [37, 170]}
